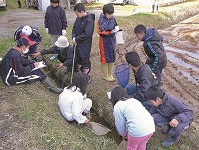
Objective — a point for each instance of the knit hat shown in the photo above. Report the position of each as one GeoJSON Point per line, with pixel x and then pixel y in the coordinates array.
{"type": "Point", "coordinates": [24, 40]}
{"type": "Point", "coordinates": [133, 58]}
{"type": "Point", "coordinates": [153, 93]}
{"type": "Point", "coordinates": [62, 42]}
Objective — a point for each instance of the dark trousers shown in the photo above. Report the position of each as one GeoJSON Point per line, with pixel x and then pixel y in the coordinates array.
{"type": "Point", "coordinates": [174, 131]}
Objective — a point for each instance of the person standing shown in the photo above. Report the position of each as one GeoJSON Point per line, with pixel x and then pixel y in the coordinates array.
{"type": "Point", "coordinates": [132, 120]}
{"type": "Point", "coordinates": [16, 69]}
{"type": "Point", "coordinates": [55, 22]}
{"type": "Point", "coordinates": [107, 27]}
{"type": "Point", "coordinates": [170, 114]}
{"type": "Point", "coordinates": [154, 49]}
{"type": "Point", "coordinates": [82, 33]}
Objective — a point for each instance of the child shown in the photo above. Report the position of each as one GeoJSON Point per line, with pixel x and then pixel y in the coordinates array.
{"type": "Point", "coordinates": [169, 113]}
{"type": "Point", "coordinates": [132, 120]}
{"type": "Point", "coordinates": [73, 102]}
{"type": "Point", "coordinates": [144, 79]}
{"type": "Point", "coordinates": [82, 33]}
{"type": "Point", "coordinates": [33, 34]}
{"type": "Point", "coordinates": [55, 22]}
{"type": "Point", "coordinates": [107, 27]}
{"type": "Point", "coordinates": [153, 47]}
{"type": "Point", "coordinates": [64, 51]}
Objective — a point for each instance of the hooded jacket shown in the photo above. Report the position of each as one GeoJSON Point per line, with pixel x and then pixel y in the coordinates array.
{"type": "Point", "coordinates": [65, 55]}
{"type": "Point", "coordinates": [107, 41]}
{"type": "Point", "coordinates": [145, 79]}
{"type": "Point", "coordinates": [55, 20]}
{"type": "Point", "coordinates": [173, 108]}
{"type": "Point", "coordinates": [82, 32]}
{"type": "Point", "coordinates": [154, 49]}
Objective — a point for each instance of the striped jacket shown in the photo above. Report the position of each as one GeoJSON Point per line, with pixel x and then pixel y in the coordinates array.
{"type": "Point", "coordinates": [154, 49]}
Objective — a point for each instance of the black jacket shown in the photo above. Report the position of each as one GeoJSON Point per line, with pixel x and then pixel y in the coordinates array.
{"type": "Point", "coordinates": [13, 66]}
{"type": "Point", "coordinates": [82, 32]}
{"type": "Point", "coordinates": [145, 79]}
{"type": "Point", "coordinates": [55, 20]}
{"type": "Point", "coordinates": [153, 47]}
{"type": "Point", "coordinates": [34, 36]}
{"type": "Point", "coordinates": [65, 55]}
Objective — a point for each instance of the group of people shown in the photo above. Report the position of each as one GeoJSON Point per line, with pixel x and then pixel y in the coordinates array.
{"type": "Point", "coordinates": [137, 107]}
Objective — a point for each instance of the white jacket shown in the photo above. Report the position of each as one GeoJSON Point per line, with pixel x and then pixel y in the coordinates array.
{"type": "Point", "coordinates": [70, 104]}
{"type": "Point", "coordinates": [131, 117]}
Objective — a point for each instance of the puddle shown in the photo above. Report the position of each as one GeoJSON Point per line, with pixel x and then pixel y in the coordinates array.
{"type": "Point", "coordinates": [194, 55]}
{"type": "Point", "coordinates": [171, 57]}
{"type": "Point", "coordinates": [188, 76]}
{"type": "Point", "coordinates": [112, 134]}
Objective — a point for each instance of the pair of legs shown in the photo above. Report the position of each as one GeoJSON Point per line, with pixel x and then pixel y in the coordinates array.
{"type": "Point", "coordinates": [138, 143]}
{"type": "Point", "coordinates": [131, 89]}
{"type": "Point", "coordinates": [53, 40]}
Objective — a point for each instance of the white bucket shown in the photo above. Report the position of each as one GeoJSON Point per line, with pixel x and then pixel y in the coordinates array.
{"type": "Point", "coordinates": [119, 37]}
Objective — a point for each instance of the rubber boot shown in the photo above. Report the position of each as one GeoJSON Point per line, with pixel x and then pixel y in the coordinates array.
{"type": "Point", "coordinates": [105, 72]}
{"type": "Point", "coordinates": [54, 57]}
{"type": "Point", "coordinates": [19, 4]}
{"type": "Point", "coordinates": [110, 71]}
{"type": "Point", "coordinates": [47, 83]}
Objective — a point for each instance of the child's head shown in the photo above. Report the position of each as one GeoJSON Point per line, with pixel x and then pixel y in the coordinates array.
{"type": "Point", "coordinates": [118, 93]}
{"type": "Point", "coordinates": [79, 10]}
{"type": "Point", "coordinates": [140, 31]}
{"type": "Point", "coordinates": [54, 3]}
{"type": "Point", "coordinates": [133, 59]}
{"type": "Point", "coordinates": [154, 95]}
{"type": "Point", "coordinates": [80, 80]}
{"type": "Point", "coordinates": [108, 10]}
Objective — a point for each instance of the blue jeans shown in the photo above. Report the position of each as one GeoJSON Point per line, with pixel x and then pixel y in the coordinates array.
{"type": "Point", "coordinates": [131, 89]}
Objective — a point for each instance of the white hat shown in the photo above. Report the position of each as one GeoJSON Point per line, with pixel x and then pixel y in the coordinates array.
{"type": "Point", "coordinates": [27, 30]}
{"type": "Point", "coordinates": [62, 42]}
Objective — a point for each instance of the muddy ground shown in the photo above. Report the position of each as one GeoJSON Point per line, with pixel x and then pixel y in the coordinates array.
{"type": "Point", "coordinates": [180, 77]}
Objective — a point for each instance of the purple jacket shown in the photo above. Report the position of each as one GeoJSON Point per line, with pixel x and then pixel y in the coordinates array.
{"type": "Point", "coordinates": [173, 108]}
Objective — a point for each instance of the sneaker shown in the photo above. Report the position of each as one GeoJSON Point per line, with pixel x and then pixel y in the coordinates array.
{"type": "Point", "coordinates": [168, 142]}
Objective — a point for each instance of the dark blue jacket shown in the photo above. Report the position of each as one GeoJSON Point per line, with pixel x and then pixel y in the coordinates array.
{"type": "Point", "coordinates": [34, 36]}
{"type": "Point", "coordinates": [13, 66]}
{"type": "Point", "coordinates": [173, 108]}
{"type": "Point", "coordinates": [55, 20]}
{"type": "Point", "coordinates": [144, 79]}
{"type": "Point", "coordinates": [153, 47]}
{"type": "Point", "coordinates": [82, 32]}
{"type": "Point", "coordinates": [65, 55]}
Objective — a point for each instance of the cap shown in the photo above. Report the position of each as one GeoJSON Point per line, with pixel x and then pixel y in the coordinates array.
{"type": "Point", "coordinates": [24, 40]}
{"type": "Point", "coordinates": [26, 30]}
{"type": "Point", "coordinates": [62, 42]}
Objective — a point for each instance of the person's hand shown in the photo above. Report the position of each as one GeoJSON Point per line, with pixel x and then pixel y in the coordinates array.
{"type": "Point", "coordinates": [74, 42]}
{"type": "Point", "coordinates": [60, 65]}
{"type": "Point", "coordinates": [87, 121]}
{"type": "Point", "coordinates": [64, 32]}
{"type": "Point", "coordinates": [36, 54]}
{"type": "Point", "coordinates": [173, 123]}
{"type": "Point", "coordinates": [47, 30]}
{"type": "Point", "coordinates": [36, 64]}
{"type": "Point", "coordinates": [117, 28]}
